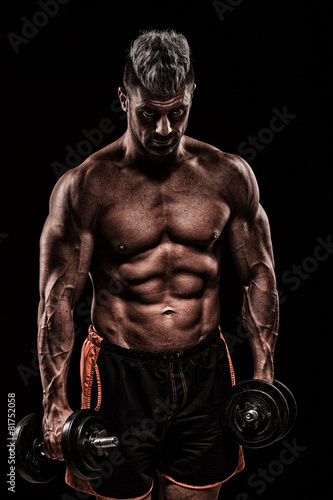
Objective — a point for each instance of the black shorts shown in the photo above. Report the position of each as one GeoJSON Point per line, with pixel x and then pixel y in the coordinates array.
{"type": "Point", "coordinates": [165, 410]}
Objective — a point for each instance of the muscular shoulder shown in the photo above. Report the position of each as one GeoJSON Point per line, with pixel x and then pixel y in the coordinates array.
{"type": "Point", "coordinates": [241, 186]}
{"type": "Point", "coordinates": [232, 175]}
{"type": "Point", "coordinates": [79, 192]}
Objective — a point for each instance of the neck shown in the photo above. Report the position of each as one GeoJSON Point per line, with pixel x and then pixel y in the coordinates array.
{"type": "Point", "coordinates": [140, 157]}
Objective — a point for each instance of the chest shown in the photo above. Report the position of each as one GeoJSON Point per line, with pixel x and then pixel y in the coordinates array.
{"type": "Point", "coordinates": [139, 214]}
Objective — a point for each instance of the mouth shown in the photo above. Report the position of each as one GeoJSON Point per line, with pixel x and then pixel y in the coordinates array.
{"type": "Point", "coordinates": [161, 146]}
{"type": "Point", "coordinates": [162, 143]}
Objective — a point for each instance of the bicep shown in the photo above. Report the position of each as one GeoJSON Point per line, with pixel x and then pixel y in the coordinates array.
{"type": "Point", "coordinates": [65, 257]}
{"type": "Point", "coordinates": [249, 241]}
{"type": "Point", "coordinates": [66, 247]}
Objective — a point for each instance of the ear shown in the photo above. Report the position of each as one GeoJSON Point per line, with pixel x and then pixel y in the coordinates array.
{"type": "Point", "coordinates": [123, 98]}
{"type": "Point", "coordinates": [193, 89]}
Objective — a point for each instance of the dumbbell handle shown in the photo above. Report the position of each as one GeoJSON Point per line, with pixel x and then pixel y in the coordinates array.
{"type": "Point", "coordinates": [104, 441]}
{"type": "Point", "coordinates": [98, 440]}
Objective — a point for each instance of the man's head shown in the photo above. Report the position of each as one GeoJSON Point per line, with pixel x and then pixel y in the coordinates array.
{"type": "Point", "coordinates": [158, 89]}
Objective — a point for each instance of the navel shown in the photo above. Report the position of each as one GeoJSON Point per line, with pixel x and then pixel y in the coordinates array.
{"type": "Point", "coordinates": [168, 312]}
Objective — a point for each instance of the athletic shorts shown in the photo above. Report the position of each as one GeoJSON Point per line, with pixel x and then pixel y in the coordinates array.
{"type": "Point", "coordinates": [165, 409]}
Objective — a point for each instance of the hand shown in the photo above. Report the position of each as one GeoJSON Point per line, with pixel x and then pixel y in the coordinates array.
{"type": "Point", "coordinates": [52, 425]}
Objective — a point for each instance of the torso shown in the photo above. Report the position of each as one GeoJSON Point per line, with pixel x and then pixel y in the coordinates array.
{"type": "Point", "coordinates": [156, 262]}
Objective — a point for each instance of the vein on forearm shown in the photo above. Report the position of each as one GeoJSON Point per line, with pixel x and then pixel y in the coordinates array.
{"type": "Point", "coordinates": [260, 315]}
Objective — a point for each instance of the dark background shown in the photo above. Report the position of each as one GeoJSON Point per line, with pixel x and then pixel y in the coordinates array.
{"type": "Point", "coordinates": [263, 55]}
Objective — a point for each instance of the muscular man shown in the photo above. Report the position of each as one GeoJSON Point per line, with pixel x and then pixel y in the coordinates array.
{"type": "Point", "coordinates": [145, 218]}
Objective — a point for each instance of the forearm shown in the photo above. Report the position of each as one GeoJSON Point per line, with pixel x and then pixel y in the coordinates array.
{"type": "Point", "coordinates": [260, 314]}
{"type": "Point", "coordinates": [55, 347]}
{"type": "Point", "coordinates": [66, 247]}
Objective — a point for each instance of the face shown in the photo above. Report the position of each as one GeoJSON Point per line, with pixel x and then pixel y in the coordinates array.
{"type": "Point", "coordinates": [156, 125]}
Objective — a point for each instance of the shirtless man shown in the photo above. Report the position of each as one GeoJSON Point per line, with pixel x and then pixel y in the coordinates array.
{"type": "Point", "coordinates": [145, 218]}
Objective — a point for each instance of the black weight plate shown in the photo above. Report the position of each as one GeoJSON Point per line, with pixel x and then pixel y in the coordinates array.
{"type": "Point", "coordinates": [292, 407]}
{"type": "Point", "coordinates": [31, 466]}
{"type": "Point", "coordinates": [76, 449]}
{"type": "Point", "coordinates": [91, 460]}
{"type": "Point", "coordinates": [271, 406]}
{"type": "Point", "coordinates": [276, 395]}
{"type": "Point", "coordinates": [248, 435]}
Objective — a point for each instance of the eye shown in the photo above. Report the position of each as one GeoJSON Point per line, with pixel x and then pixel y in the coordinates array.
{"type": "Point", "coordinates": [148, 114]}
{"type": "Point", "coordinates": [178, 112]}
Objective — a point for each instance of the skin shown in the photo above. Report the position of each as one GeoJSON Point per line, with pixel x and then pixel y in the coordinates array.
{"type": "Point", "coordinates": [146, 219]}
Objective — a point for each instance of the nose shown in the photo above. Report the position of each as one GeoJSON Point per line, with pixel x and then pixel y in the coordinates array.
{"type": "Point", "coordinates": [163, 126]}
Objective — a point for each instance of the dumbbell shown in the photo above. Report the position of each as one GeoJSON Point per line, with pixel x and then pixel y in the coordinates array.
{"type": "Point", "coordinates": [85, 444]}
{"type": "Point", "coordinates": [256, 413]}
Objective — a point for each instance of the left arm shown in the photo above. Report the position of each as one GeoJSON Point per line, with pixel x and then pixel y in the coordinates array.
{"type": "Point", "coordinates": [251, 249]}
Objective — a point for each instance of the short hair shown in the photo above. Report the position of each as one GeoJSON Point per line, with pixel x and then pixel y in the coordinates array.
{"type": "Point", "coordinates": [159, 61]}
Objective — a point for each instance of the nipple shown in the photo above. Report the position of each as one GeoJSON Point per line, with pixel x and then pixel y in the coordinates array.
{"type": "Point", "coordinates": [122, 246]}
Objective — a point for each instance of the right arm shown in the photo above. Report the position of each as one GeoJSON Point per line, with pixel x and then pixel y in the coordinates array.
{"type": "Point", "coordinates": [66, 247]}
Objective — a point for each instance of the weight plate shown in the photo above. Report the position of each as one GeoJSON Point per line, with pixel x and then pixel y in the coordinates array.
{"type": "Point", "coordinates": [29, 463]}
{"type": "Point", "coordinates": [265, 429]}
{"type": "Point", "coordinates": [255, 413]}
{"type": "Point", "coordinates": [76, 448]}
{"type": "Point", "coordinates": [292, 407]}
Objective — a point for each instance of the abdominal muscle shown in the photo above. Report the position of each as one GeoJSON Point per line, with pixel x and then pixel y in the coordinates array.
{"type": "Point", "coordinates": [168, 311]}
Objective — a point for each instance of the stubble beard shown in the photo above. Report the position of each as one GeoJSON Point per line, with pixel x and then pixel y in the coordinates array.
{"type": "Point", "coordinates": [156, 150]}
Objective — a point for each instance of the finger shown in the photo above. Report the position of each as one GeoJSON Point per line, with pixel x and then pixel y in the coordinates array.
{"type": "Point", "coordinates": [56, 449]}
{"type": "Point", "coordinates": [49, 452]}
{"type": "Point", "coordinates": [52, 449]}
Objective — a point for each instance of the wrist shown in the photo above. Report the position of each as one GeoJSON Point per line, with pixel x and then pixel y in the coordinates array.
{"type": "Point", "coordinates": [267, 375]}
